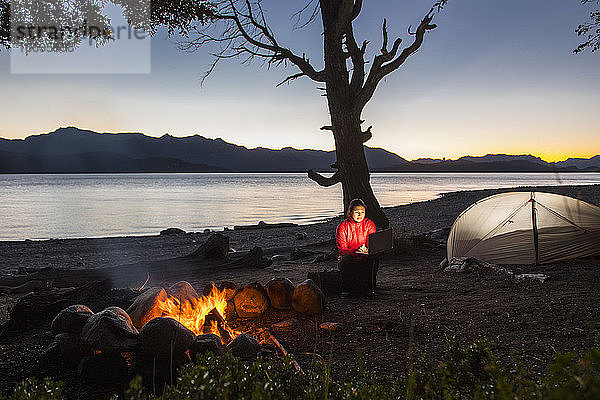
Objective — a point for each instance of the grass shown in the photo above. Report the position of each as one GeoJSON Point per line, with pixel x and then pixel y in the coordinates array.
{"type": "Point", "coordinates": [465, 372]}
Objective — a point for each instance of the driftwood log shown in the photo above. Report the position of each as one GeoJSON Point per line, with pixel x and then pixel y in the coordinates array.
{"type": "Point", "coordinates": [264, 225]}
{"type": "Point", "coordinates": [45, 304]}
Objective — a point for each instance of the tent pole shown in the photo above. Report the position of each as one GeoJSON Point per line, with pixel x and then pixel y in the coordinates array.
{"type": "Point", "coordinates": [535, 230]}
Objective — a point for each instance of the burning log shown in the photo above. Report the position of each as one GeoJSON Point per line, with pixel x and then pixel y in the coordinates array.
{"type": "Point", "coordinates": [252, 301]}
{"type": "Point", "coordinates": [215, 321]}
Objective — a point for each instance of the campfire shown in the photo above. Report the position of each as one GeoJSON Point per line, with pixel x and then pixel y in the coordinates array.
{"type": "Point", "coordinates": [165, 328]}
{"type": "Point", "coordinates": [201, 315]}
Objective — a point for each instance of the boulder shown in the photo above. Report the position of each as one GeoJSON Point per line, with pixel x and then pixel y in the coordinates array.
{"type": "Point", "coordinates": [308, 298]}
{"type": "Point", "coordinates": [71, 319]}
{"type": "Point", "coordinates": [184, 292]}
{"type": "Point", "coordinates": [159, 369]}
{"type": "Point", "coordinates": [172, 231]}
{"type": "Point", "coordinates": [162, 334]}
{"type": "Point", "coordinates": [244, 346]}
{"type": "Point", "coordinates": [104, 368]}
{"type": "Point", "coordinates": [52, 355]}
{"type": "Point", "coordinates": [206, 343]}
{"type": "Point", "coordinates": [110, 331]}
{"type": "Point", "coordinates": [252, 301]}
{"type": "Point", "coordinates": [144, 307]}
{"type": "Point", "coordinates": [73, 349]}
{"type": "Point", "coordinates": [280, 291]}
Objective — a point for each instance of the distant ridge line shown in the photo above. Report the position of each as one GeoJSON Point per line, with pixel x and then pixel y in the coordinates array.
{"type": "Point", "coordinates": [74, 150]}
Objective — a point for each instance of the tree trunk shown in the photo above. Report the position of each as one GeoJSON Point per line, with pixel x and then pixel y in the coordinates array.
{"type": "Point", "coordinates": [345, 118]}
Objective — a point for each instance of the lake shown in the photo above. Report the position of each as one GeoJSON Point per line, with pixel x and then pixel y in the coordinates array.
{"type": "Point", "coordinates": [100, 205]}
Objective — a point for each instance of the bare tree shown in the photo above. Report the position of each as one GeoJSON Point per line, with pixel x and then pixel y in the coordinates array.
{"type": "Point", "coordinates": [590, 30]}
{"type": "Point", "coordinates": [347, 82]}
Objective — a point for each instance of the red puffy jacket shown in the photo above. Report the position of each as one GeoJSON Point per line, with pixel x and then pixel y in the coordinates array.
{"type": "Point", "coordinates": [350, 235]}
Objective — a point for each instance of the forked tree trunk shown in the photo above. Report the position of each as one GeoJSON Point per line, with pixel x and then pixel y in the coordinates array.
{"type": "Point", "coordinates": [345, 117]}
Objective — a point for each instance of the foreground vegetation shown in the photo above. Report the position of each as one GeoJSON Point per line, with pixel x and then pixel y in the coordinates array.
{"type": "Point", "coordinates": [464, 373]}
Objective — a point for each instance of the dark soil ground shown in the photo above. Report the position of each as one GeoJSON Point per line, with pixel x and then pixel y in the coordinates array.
{"type": "Point", "coordinates": [415, 303]}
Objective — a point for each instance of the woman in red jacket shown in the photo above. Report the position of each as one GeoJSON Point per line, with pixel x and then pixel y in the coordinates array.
{"type": "Point", "coordinates": [357, 268]}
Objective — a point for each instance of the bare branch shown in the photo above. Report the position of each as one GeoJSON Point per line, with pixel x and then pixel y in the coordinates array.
{"type": "Point", "coordinates": [246, 33]}
{"type": "Point", "coordinates": [367, 134]}
{"type": "Point", "coordinates": [324, 181]}
{"type": "Point", "coordinates": [327, 128]}
{"type": "Point", "coordinates": [380, 69]}
{"type": "Point", "coordinates": [290, 78]}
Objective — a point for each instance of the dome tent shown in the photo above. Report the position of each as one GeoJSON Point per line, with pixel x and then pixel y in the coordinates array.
{"type": "Point", "coordinates": [526, 228]}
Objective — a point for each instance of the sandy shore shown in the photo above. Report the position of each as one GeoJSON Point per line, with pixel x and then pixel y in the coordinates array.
{"type": "Point", "coordinates": [414, 219]}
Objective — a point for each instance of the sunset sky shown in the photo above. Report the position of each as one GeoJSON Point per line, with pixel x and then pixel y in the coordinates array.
{"type": "Point", "coordinates": [496, 76]}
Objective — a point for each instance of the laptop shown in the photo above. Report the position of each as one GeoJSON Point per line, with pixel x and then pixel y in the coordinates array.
{"type": "Point", "coordinates": [380, 241]}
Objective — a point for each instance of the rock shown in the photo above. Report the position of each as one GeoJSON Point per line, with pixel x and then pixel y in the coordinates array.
{"type": "Point", "coordinates": [52, 354]}
{"type": "Point", "coordinates": [206, 343]}
{"type": "Point", "coordinates": [159, 369]}
{"type": "Point", "coordinates": [207, 230]}
{"type": "Point", "coordinates": [71, 319]}
{"type": "Point", "coordinates": [330, 282]}
{"type": "Point", "coordinates": [110, 331]}
{"type": "Point", "coordinates": [280, 291]}
{"type": "Point", "coordinates": [244, 346]}
{"type": "Point", "coordinates": [301, 236]}
{"type": "Point", "coordinates": [104, 368]}
{"type": "Point", "coordinates": [286, 325]}
{"type": "Point", "coordinates": [444, 263]}
{"type": "Point", "coordinates": [184, 292]}
{"type": "Point", "coordinates": [144, 307]}
{"type": "Point", "coordinates": [160, 334]}
{"type": "Point", "coordinates": [471, 264]}
{"type": "Point", "coordinates": [279, 258]}
{"type": "Point", "coordinates": [252, 301]}
{"type": "Point", "coordinates": [330, 326]}
{"type": "Point", "coordinates": [308, 298]}
{"type": "Point", "coordinates": [73, 349]}
{"type": "Point", "coordinates": [172, 231]}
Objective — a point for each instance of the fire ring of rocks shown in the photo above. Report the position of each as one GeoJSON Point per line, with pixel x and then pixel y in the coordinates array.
{"type": "Point", "coordinates": [165, 328]}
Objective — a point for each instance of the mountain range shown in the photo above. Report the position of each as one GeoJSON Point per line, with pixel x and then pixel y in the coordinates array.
{"type": "Point", "coordinates": [74, 150]}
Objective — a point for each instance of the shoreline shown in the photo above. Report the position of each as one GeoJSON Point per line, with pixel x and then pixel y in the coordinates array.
{"type": "Point", "coordinates": [410, 219]}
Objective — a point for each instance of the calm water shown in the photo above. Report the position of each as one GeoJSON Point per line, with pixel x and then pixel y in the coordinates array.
{"type": "Point", "coordinates": [66, 206]}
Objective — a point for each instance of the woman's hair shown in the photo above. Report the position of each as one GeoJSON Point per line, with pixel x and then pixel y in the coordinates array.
{"type": "Point", "coordinates": [355, 203]}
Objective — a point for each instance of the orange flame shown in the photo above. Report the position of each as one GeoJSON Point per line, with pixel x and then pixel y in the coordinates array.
{"type": "Point", "coordinates": [192, 313]}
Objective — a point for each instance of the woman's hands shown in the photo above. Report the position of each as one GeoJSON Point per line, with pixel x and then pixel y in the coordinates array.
{"type": "Point", "coordinates": [362, 250]}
